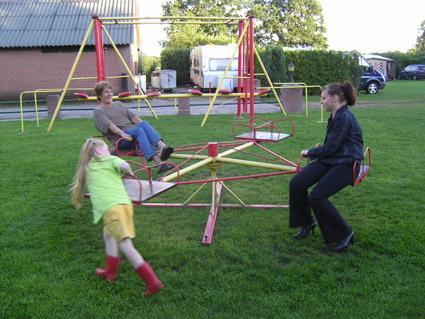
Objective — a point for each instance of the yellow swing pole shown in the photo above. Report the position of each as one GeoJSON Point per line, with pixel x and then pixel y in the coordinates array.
{"type": "Point", "coordinates": [68, 81]}
{"type": "Point", "coordinates": [133, 78]}
{"type": "Point", "coordinates": [269, 81]}
{"type": "Point", "coordinates": [224, 75]}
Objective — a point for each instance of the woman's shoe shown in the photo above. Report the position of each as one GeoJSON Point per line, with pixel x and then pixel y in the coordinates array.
{"type": "Point", "coordinates": [165, 167]}
{"type": "Point", "coordinates": [166, 152]}
{"type": "Point", "coordinates": [305, 231]}
{"type": "Point", "coordinates": [343, 245]}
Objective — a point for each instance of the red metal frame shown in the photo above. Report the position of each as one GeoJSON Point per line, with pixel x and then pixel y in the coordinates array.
{"type": "Point", "coordinates": [100, 53]}
{"type": "Point", "coordinates": [358, 178]}
{"type": "Point", "coordinates": [218, 183]}
{"type": "Point", "coordinates": [251, 71]}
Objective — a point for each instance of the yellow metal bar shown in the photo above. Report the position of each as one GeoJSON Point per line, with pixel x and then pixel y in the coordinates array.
{"type": "Point", "coordinates": [133, 78]}
{"type": "Point", "coordinates": [22, 108]}
{"type": "Point", "coordinates": [71, 74]}
{"type": "Point", "coordinates": [235, 149]}
{"type": "Point", "coordinates": [194, 193]}
{"type": "Point", "coordinates": [169, 96]}
{"type": "Point", "coordinates": [321, 112]}
{"type": "Point", "coordinates": [36, 108]}
{"type": "Point", "coordinates": [203, 162]}
{"type": "Point", "coordinates": [233, 193]}
{"type": "Point", "coordinates": [172, 18]}
{"type": "Point", "coordinates": [187, 170]}
{"type": "Point", "coordinates": [268, 80]}
{"type": "Point", "coordinates": [306, 101]}
{"type": "Point", "coordinates": [172, 22]}
{"type": "Point", "coordinates": [185, 156]}
{"type": "Point", "coordinates": [224, 75]}
{"type": "Point", "coordinates": [95, 77]}
{"type": "Point", "coordinates": [257, 164]}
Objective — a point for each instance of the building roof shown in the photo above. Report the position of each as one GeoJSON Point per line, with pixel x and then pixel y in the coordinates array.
{"type": "Point", "coordinates": [41, 23]}
{"type": "Point", "coordinates": [376, 57]}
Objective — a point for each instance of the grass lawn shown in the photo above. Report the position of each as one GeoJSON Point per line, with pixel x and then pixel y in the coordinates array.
{"type": "Point", "coordinates": [253, 269]}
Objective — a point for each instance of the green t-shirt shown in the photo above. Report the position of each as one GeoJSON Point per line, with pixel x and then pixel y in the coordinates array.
{"type": "Point", "coordinates": [105, 185]}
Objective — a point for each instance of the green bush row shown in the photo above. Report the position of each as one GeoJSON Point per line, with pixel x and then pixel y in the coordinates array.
{"type": "Point", "coordinates": [274, 62]}
{"type": "Point", "coordinates": [311, 67]}
{"type": "Point", "coordinates": [322, 67]}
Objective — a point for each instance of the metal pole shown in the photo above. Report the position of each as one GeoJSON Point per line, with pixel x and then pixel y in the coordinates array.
{"type": "Point", "coordinates": [251, 71]}
{"type": "Point", "coordinates": [68, 81]}
{"type": "Point", "coordinates": [224, 75]}
{"type": "Point", "coordinates": [133, 78]}
{"type": "Point", "coordinates": [240, 50]}
{"type": "Point", "coordinates": [269, 81]}
{"type": "Point", "coordinates": [100, 53]}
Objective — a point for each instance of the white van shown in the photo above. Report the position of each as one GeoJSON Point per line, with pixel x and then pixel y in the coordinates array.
{"type": "Point", "coordinates": [208, 63]}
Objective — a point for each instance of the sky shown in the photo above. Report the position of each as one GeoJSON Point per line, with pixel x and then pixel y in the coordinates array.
{"type": "Point", "coordinates": [364, 25]}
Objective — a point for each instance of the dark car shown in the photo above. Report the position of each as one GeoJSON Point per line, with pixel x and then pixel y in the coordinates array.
{"type": "Point", "coordinates": [371, 81]}
{"type": "Point", "coordinates": [413, 72]}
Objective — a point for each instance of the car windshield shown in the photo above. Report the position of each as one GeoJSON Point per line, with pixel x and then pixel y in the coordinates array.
{"type": "Point", "coordinates": [411, 68]}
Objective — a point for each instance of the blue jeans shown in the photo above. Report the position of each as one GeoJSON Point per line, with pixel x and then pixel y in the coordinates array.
{"type": "Point", "coordinates": [146, 136]}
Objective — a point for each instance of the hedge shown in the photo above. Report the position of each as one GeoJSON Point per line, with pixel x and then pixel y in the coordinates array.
{"type": "Point", "coordinates": [274, 62]}
{"type": "Point", "coordinates": [177, 59]}
{"type": "Point", "coordinates": [321, 67]}
{"type": "Point", "coordinates": [311, 67]}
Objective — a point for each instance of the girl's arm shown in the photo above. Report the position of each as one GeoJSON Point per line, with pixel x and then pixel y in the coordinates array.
{"type": "Point", "coordinates": [125, 168]}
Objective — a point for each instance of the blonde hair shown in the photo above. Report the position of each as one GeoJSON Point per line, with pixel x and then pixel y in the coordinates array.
{"type": "Point", "coordinates": [100, 87]}
{"type": "Point", "coordinates": [87, 154]}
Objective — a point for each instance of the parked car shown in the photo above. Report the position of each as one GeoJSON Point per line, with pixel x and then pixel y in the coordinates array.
{"type": "Point", "coordinates": [371, 80]}
{"type": "Point", "coordinates": [413, 72]}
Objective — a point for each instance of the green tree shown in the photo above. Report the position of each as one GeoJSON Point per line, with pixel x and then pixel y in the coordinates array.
{"type": "Point", "coordinates": [420, 40]}
{"type": "Point", "coordinates": [295, 23]}
{"type": "Point", "coordinates": [291, 23]}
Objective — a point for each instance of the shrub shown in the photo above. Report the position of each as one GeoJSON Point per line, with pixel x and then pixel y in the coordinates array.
{"type": "Point", "coordinates": [177, 59]}
{"type": "Point", "coordinates": [320, 67]}
{"type": "Point", "coordinates": [273, 59]}
{"type": "Point", "coordinates": [150, 63]}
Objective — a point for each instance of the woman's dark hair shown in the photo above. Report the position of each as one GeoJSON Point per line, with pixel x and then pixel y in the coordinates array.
{"type": "Point", "coordinates": [345, 91]}
{"type": "Point", "coordinates": [100, 87]}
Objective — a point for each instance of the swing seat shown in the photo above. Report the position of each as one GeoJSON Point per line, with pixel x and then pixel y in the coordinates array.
{"type": "Point", "coordinates": [273, 133]}
{"type": "Point", "coordinates": [82, 96]}
{"type": "Point", "coordinates": [364, 168]}
{"type": "Point", "coordinates": [124, 94]}
{"type": "Point", "coordinates": [225, 91]}
{"type": "Point", "coordinates": [154, 93]}
{"type": "Point", "coordinates": [263, 91]}
{"type": "Point", "coordinates": [195, 92]}
{"type": "Point", "coordinates": [140, 191]}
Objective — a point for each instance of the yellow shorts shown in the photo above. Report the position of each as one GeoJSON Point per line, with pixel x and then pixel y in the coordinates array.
{"type": "Point", "coordinates": [118, 222]}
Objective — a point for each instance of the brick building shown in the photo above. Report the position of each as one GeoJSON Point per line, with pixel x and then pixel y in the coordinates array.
{"type": "Point", "coordinates": [40, 39]}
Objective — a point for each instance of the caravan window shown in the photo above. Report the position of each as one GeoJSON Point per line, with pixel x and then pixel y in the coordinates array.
{"type": "Point", "coordinates": [221, 64]}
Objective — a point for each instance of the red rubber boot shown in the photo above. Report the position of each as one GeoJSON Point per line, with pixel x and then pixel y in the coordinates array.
{"type": "Point", "coordinates": [111, 270]}
{"type": "Point", "coordinates": [151, 280]}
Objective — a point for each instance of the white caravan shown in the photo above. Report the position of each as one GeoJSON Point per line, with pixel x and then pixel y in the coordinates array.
{"type": "Point", "coordinates": [208, 63]}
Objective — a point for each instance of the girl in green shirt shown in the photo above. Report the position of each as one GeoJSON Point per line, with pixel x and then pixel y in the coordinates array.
{"type": "Point", "coordinates": [101, 173]}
